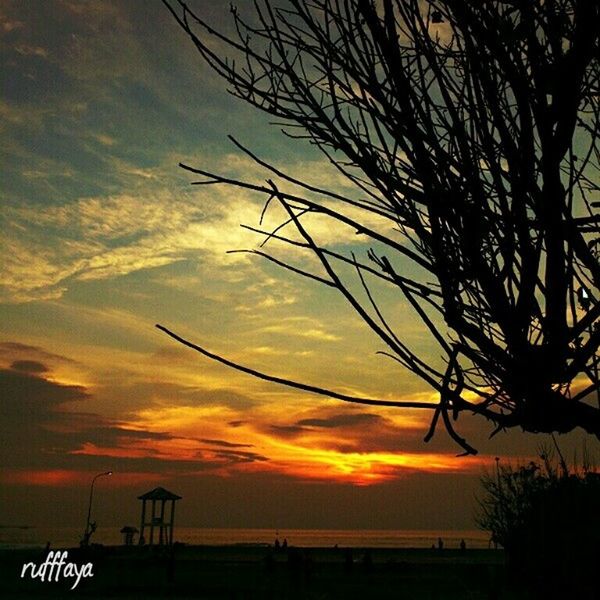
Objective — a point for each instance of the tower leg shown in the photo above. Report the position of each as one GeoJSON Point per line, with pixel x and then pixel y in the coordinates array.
{"type": "Point", "coordinates": [172, 522]}
{"type": "Point", "coordinates": [143, 522]}
{"type": "Point", "coordinates": [152, 522]}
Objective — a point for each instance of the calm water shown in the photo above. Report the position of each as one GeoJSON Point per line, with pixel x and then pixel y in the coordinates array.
{"type": "Point", "coordinates": [65, 537]}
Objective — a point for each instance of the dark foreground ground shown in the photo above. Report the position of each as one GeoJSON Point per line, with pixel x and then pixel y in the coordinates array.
{"type": "Point", "coordinates": [244, 573]}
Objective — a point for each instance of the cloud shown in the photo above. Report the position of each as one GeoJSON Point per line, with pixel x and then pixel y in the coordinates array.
{"type": "Point", "coordinates": [28, 50]}
{"type": "Point", "coordinates": [315, 334]}
{"type": "Point", "coordinates": [355, 425]}
{"type": "Point", "coordinates": [354, 431]}
{"type": "Point", "coordinates": [55, 445]}
{"type": "Point", "coordinates": [28, 366]}
{"type": "Point", "coordinates": [236, 456]}
{"type": "Point", "coordinates": [16, 351]}
{"type": "Point", "coordinates": [40, 477]}
{"type": "Point", "coordinates": [9, 22]}
{"type": "Point", "coordinates": [152, 225]}
{"type": "Point", "coordinates": [301, 326]}
{"type": "Point", "coordinates": [71, 477]}
{"type": "Point", "coordinates": [309, 442]}
{"type": "Point", "coordinates": [105, 140]}
{"type": "Point", "coordinates": [119, 99]}
{"type": "Point", "coordinates": [225, 444]}
{"type": "Point", "coordinates": [163, 387]}
{"type": "Point", "coordinates": [100, 238]}
{"type": "Point", "coordinates": [26, 395]}
{"type": "Point", "coordinates": [341, 420]}
{"type": "Point", "coordinates": [8, 26]}
{"type": "Point", "coordinates": [287, 430]}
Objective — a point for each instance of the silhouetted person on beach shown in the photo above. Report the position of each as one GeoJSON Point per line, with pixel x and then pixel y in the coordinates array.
{"type": "Point", "coordinates": [285, 544]}
{"type": "Point", "coordinates": [277, 544]}
{"type": "Point", "coordinates": [463, 545]}
{"type": "Point", "coordinates": [440, 544]}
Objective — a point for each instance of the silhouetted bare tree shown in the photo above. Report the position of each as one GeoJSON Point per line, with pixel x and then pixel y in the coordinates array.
{"type": "Point", "coordinates": [470, 131]}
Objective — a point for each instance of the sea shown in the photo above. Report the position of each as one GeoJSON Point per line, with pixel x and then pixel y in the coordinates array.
{"type": "Point", "coordinates": [68, 537]}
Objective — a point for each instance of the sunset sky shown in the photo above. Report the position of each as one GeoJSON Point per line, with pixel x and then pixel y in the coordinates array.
{"type": "Point", "coordinates": [103, 236]}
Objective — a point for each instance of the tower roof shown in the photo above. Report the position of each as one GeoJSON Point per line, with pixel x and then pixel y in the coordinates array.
{"type": "Point", "coordinates": [159, 493]}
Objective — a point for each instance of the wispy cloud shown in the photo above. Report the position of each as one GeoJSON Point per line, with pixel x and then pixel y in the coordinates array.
{"type": "Point", "coordinates": [301, 326]}
{"type": "Point", "coordinates": [27, 50]}
{"type": "Point", "coordinates": [100, 238]}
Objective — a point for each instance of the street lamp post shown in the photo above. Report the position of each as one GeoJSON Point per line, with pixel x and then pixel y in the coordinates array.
{"type": "Point", "coordinates": [87, 533]}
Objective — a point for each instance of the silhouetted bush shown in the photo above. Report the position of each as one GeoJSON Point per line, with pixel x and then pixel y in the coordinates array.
{"type": "Point", "coordinates": [547, 519]}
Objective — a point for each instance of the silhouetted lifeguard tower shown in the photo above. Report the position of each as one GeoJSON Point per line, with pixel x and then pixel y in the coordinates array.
{"type": "Point", "coordinates": [165, 535]}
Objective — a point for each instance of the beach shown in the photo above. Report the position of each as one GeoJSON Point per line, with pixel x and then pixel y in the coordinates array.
{"type": "Point", "coordinates": [261, 571]}
{"type": "Point", "coordinates": [29, 536]}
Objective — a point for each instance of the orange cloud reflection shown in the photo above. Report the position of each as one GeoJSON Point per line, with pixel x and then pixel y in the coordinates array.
{"type": "Point", "coordinates": [66, 477]}
{"type": "Point", "coordinates": [366, 468]}
{"type": "Point", "coordinates": [204, 439]}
